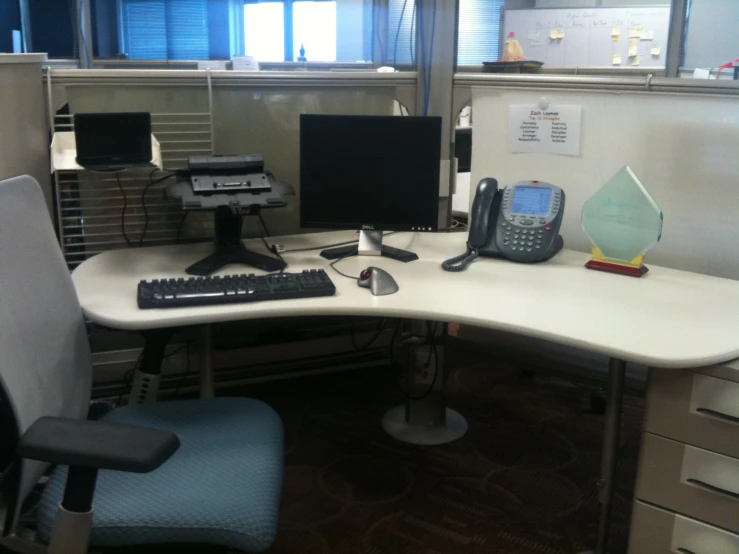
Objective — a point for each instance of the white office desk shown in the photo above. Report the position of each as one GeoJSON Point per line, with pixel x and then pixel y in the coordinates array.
{"type": "Point", "coordinates": [668, 319]}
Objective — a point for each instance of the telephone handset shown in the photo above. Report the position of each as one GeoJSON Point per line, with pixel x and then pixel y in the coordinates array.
{"type": "Point", "coordinates": [519, 223]}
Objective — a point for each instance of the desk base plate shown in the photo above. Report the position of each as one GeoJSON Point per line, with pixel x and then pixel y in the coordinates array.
{"type": "Point", "coordinates": [395, 424]}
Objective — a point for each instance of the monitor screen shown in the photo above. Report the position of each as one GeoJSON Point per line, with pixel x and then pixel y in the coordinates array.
{"type": "Point", "coordinates": [369, 172]}
{"type": "Point", "coordinates": [112, 137]}
{"type": "Point", "coordinates": [531, 201]}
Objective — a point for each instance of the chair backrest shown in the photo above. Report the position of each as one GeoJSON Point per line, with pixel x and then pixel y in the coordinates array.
{"type": "Point", "coordinates": [45, 362]}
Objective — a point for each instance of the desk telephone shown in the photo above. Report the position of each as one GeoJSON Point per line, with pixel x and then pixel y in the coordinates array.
{"type": "Point", "coordinates": [520, 223]}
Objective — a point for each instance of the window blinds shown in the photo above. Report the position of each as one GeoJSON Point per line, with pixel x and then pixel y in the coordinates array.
{"type": "Point", "coordinates": [401, 39]}
{"type": "Point", "coordinates": [166, 29]}
{"type": "Point", "coordinates": [478, 31]}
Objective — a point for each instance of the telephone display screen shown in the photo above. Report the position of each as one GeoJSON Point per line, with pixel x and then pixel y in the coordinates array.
{"type": "Point", "coordinates": [531, 201]}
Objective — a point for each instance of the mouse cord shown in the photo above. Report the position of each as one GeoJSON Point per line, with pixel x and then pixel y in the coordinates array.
{"type": "Point", "coordinates": [333, 266]}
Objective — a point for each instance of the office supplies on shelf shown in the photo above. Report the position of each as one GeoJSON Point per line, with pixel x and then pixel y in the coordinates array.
{"type": "Point", "coordinates": [233, 289]}
{"type": "Point", "coordinates": [216, 174]}
{"type": "Point", "coordinates": [623, 222]}
{"type": "Point", "coordinates": [113, 141]}
{"type": "Point", "coordinates": [520, 223]}
{"type": "Point", "coordinates": [379, 281]}
{"type": "Point", "coordinates": [370, 173]}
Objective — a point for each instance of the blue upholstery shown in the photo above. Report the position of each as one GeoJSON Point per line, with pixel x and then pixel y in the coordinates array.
{"type": "Point", "coordinates": [221, 488]}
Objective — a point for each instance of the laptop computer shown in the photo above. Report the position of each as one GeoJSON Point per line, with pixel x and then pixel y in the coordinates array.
{"type": "Point", "coordinates": [113, 141]}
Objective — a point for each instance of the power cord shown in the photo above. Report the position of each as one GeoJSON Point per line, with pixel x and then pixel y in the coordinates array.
{"type": "Point", "coordinates": [123, 211]}
{"type": "Point", "coordinates": [430, 62]}
{"type": "Point", "coordinates": [383, 325]}
{"type": "Point", "coordinates": [181, 226]}
{"type": "Point", "coordinates": [432, 351]}
{"type": "Point", "coordinates": [397, 34]}
{"type": "Point", "coordinates": [412, 35]}
{"type": "Point", "coordinates": [187, 370]}
{"type": "Point", "coordinates": [143, 200]}
{"type": "Point", "coordinates": [273, 250]}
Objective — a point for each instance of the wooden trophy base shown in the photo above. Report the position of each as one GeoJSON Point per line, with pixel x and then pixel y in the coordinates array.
{"type": "Point", "coordinates": [635, 268]}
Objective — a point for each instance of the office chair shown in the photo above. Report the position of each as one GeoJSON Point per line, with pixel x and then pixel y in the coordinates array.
{"type": "Point", "coordinates": [205, 472]}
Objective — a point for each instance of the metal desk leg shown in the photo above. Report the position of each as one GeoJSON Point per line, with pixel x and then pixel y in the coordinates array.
{"type": "Point", "coordinates": [145, 385]}
{"type": "Point", "coordinates": [609, 457]}
{"type": "Point", "coordinates": [207, 386]}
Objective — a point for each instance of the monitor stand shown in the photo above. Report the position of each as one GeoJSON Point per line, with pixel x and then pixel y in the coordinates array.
{"type": "Point", "coordinates": [230, 249]}
{"type": "Point", "coordinates": [370, 244]}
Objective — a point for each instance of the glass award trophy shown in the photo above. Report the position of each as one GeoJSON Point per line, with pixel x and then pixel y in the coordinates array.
{"type": "Point", "coordinates": [623, 222]}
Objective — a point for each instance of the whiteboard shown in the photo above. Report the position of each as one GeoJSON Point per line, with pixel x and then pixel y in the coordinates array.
{"type": "Point", "coordinates": [588, 35]}
{"type": "Point", "coordinates": [682, 148]}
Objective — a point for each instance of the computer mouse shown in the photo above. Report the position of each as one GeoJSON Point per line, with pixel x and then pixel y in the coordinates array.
{"type": "Point", "coordinates": [379, 281]}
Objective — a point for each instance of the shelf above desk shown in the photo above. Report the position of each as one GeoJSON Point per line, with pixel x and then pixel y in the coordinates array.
{"type": "Point", "coordinates": [64, 152]}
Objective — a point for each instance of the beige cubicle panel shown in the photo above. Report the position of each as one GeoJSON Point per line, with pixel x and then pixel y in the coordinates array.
{"type": "Point", "coordinates": [24, 135]}
{"type": "Point", "coordinates": [681, 144]}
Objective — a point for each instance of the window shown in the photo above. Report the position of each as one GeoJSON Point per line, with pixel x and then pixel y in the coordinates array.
{"type": "Point", "coordinates": [165, 29]}
{"type": "Point", "coordinates": [10, 21]}
{"type": "Point", "coordinates": [314, 27]}
{"type": "Point", "coordinates": [264, 31]}
{"type": "Point", "coordinates": [401, 32]}
{"type": "Point", "coordinates": [712, 38]}
{"type": "Point", "coordinates": [478, 31]}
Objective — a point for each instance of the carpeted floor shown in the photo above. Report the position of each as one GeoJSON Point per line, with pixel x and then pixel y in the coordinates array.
{"type": "Point", "coordinates": [522, 481]}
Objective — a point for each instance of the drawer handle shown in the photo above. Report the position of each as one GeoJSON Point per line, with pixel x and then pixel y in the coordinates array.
{"type": "Point", "coordinates": [713, 488]}
{"type": "Point", "coordinates": [685, 551]}
{"type": "Point", "coordinates": [717, 415]}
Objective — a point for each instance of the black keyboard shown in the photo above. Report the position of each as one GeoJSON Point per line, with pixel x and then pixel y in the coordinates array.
{"type": "Point", "coordinates": [233, 289]}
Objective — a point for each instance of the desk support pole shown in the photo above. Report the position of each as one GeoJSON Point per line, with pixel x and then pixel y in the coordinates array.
{"type": "Point", "coordinates": [609, 457]}
{"type": "Point", "coordinates": [205, 358]}
{"type": "Point", "coordinates": [424, 419]}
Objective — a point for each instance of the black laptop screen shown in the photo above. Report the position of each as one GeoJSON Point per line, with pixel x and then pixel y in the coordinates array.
{"type": "Point", "coordinates": [112, 138]}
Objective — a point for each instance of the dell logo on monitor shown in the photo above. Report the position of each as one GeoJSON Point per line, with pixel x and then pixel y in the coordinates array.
{"type": "Point", "coordinates": [368, 227]}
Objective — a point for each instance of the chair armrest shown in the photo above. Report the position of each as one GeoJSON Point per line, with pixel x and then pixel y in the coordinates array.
{"type": "Point", "coordinates": [97, 444]}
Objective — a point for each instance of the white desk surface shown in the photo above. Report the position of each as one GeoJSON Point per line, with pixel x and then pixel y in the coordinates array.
{"type": "Point", "coordinates": [668, 318]}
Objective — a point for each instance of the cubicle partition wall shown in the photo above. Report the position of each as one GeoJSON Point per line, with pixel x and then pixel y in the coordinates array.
{"type": "Point", "coordinates": [198, 112]}
{"type": "Point", "coordinates": [680, 137]}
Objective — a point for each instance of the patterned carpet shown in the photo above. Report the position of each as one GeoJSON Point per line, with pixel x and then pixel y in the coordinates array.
{"type": "Point", "coordinates": [523, 480]}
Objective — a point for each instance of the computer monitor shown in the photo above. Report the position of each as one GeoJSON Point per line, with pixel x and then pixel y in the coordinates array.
{"type": "Point", "coordinates": [113, 140]}
{"type": "Point", "coordinates": [370, 173]}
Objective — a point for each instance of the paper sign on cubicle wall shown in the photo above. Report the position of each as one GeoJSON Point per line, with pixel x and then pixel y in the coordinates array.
{"type": "Point", "coordinates": [554, 130]}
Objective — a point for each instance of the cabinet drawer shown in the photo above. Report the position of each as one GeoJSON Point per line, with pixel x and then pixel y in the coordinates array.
{"type": "Point", "coordinates": [657, 531]}
{"type": "Point", "coordinates": [694, 409]}
{"type": "Point", "coordinates": [690, 481]}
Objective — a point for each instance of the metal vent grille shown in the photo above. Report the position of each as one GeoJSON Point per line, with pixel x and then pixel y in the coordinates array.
{"type": "Point", "coordinates": [98, 211]}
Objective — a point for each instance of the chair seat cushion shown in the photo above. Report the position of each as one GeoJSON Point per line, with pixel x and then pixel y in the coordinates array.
{"type": "Point", "coordinates": [222, 487]}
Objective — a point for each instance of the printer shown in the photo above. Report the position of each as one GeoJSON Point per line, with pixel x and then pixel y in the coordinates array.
{"type": "Point", "coordinates": [228, 174]}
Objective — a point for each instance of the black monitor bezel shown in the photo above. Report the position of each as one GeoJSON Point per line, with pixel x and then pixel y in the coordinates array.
{"type": "Point", "coordinates": [432, 226]}
{"type": "Point", "coordinates": [110, 117]}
